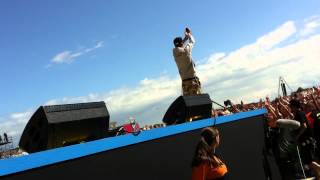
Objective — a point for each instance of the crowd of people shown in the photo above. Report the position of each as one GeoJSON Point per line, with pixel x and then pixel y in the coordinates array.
{"type": "Point", "coordinates": [293, 130]}
{"type": "Point", "coordinates": [278, 108]}
{"type": "Point", "coordinates": [16, 152]}
{"type": "Point", "coordinates": [148, 127]}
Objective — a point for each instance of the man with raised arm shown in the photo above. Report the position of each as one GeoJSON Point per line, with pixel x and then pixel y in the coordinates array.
{"type": "Point", "coordinates": [182, 55]}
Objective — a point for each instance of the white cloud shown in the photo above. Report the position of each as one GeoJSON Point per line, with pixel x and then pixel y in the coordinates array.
{"type": "Point", "coordinates": [62, 57]}
{"type": "Point", "coordinates": [311, 26]}
{"type": "Point", "coordinates": [277, 36]}
{"type": "Point", "coordinates": [14, 124]}
{"type": "Point", "coordinates": [128, 100]}
{"type": "Point", "coordinates": [248, 73]}
{"type": "Point", "coordinates": [98, 45]}
{"type": "Point", "coordinates": [67, 100]}
{"type": "Point", "coordinates": [70, 56]}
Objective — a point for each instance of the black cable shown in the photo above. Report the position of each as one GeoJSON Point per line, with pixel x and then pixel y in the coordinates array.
{"type": "Point", "coordinates": [217, 104]}
{"type": "Point", "coordinates": [279, 84]}
{"type": "Point", "coordinates": [287, 84]}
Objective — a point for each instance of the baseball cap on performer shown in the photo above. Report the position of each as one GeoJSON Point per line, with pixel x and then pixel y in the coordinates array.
{"type": "Point", "coordinates": [177, 41]}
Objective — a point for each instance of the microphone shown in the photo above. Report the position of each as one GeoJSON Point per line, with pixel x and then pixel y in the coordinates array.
{"type": "Point", "coordinates": [288, 124]}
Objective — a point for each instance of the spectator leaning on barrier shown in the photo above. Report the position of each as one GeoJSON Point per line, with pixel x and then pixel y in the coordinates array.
{"type": "Point", "coordinates": [286, 151]}
{"type": "Point", "coordinates": [303, 135]}
{"type": "Point", "coordinates": [299, 115]}
{"type": "Point", "coordinates": [205, 163]}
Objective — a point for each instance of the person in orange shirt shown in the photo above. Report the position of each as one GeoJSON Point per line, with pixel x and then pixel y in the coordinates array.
{"type": "Point", "coordinates": [206, 165]}
{"type": "Point", "coordinates": [316, 168]}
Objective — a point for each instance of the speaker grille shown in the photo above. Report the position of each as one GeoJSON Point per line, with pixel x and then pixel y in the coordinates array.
{"type": "Point", "coordinates": [71, 107]}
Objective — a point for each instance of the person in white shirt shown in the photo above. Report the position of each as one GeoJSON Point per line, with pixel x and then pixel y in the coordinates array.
{"type": "Point", "coordinates": [182, 55]}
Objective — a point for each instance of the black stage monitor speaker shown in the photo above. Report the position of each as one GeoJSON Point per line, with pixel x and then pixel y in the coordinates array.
{"type": "Point", "coordinates": [186, 108]}
{"type": "Point", "coordinates": [62, 125]}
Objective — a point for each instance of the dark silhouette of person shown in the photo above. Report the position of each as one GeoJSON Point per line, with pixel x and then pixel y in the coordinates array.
{"type": "Point", "coordinates": [5, 137]}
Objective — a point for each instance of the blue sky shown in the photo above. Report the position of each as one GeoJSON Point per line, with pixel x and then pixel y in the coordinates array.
{"type": "Point", "coordinates": [72, 51]}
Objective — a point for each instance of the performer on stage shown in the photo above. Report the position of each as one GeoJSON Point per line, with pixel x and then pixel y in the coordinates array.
{"type": "Point", "coordinates": [182, 55]}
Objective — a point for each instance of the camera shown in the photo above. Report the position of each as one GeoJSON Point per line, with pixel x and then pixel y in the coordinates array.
{"type": "Point", "coordinates": [227, 103]}
{"type": "Point", "coordinates": [188, 30]}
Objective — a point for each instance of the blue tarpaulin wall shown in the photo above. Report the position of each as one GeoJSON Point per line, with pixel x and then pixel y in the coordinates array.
{"type": "Point", "coordinates": [162, 153]}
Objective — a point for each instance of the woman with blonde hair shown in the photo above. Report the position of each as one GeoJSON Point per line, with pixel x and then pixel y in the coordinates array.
{"type": "Point", "coordinates": [206, 165]}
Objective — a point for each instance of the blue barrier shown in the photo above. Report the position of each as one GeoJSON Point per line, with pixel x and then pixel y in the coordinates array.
{"type": "Point", "coordinates": [49, 157]}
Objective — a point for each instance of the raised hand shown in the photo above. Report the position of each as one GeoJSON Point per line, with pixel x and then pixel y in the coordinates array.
{"type": "Point", "coordinates": [187, 32]}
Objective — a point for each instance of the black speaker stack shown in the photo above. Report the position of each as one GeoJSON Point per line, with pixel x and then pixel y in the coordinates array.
{"type": "Point", "coordinates": [62, 125]}
{"type": "Point", "coordinates": [188, 108]}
